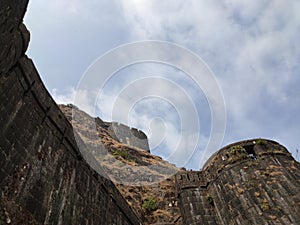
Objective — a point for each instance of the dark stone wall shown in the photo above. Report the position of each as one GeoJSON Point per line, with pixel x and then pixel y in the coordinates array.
{"type": "Point", "coordinates": [14, 37]}
{"type": "Point", "coordinates": [251, 182]}
{"type": "Point", "coordinates": [194, 203]}
{"type": "Point", "coordinates": [43, 176]}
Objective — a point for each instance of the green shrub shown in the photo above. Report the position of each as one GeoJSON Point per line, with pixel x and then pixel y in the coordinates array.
{"type": "Point", "coordinates": [237, 152]}
{"type": "Point", "coordinates": [121, 153]}
{"type": "Point", "coordinates": [150, 205]}
{"type": "Point", "coordinates": [261, 142]}
{"type": "Point", "coordinates": [236, 149]}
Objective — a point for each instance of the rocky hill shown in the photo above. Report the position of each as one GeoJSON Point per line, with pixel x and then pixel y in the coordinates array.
{"type": "Point", "coordinates": [134, 171]}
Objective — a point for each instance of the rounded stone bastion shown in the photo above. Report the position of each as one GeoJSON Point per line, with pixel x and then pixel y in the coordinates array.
{"type": "Point", "coordinates": [249, 150]}
{"type": "Point", "coordinates": [249, 182]}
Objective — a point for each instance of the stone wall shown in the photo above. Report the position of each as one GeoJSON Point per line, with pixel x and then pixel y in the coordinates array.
{"type": "Point", "coordinates": [43, 177]}
{"type": "Point", "coordinates": [250, 182]}
{"type": "Point", "coordinates": [125, 134]}
{"type": "Point", "coordinates": [130, 136]}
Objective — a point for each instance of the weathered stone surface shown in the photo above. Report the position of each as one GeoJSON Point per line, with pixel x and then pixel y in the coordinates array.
{"type": "Point", "coordinates": [43, 177]}
{"type": "Point", "coordinates": [14, 37]}
{"type": "Point", "coordinates": [250, 182]}
{"type": "Point", "coordinates": [130, 136]}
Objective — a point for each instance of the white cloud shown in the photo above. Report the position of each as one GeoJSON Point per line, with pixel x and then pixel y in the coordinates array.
{"type": "Point", "coordinates": [66, 98]}
{"type": "Point", "coordinates": [174, 135]}
{"type": "Point", "coordinates": [252, 47]}
{"type": "Point", "coordinates": [168, 139]}
{"type": "Point", "coordinates": [83, 99]}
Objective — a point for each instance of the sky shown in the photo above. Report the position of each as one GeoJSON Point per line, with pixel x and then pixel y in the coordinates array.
{"type": "Point", "coordinates": [249, 49]}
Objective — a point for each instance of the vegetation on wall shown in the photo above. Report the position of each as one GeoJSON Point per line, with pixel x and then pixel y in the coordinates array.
{"type": "Point", "coordinates": [261, 142]}
{"type": "Point", "coordinates": [150, 205]}
{"type": "Point", "coordinates": [237, 152]}
{"type": "Point", "coordinates": [121, 153]}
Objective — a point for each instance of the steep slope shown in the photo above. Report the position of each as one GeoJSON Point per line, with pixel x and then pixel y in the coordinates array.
{"type": "Point", "coordinates": [133, 170]}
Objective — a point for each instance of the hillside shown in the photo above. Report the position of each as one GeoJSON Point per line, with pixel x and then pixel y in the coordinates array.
{"type": "Point", "coordinates": [133, 170]}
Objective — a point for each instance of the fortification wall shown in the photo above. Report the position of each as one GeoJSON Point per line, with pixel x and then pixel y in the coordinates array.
{"type": "Point", "coordinates": [45, 180]}
{"type": "Point", "coordinates": [43, 177]}
{"type": "Point", "coordinates": [250, 182]}
{"type": "Point", "coordinates": [130, 136]}
{"type": "Point", "coordinates": [191, 187]}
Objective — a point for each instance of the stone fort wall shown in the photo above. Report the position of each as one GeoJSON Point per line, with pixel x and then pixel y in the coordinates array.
{"type": "Point", "coordinates": [43, 177]}
{"type": "Point", "coordinates": [125, 134]}
{"type": "Point", "coordinates": [250, 182]}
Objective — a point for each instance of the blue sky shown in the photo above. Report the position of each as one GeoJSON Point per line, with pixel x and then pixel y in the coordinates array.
{"type": "Point", "coordinates": [251, 47]}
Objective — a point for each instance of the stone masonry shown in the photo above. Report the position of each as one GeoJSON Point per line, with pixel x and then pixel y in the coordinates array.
{"type": "Point", "coordinates": [250, 182]}
{"type": "Point", "coordinates": [43, 177]}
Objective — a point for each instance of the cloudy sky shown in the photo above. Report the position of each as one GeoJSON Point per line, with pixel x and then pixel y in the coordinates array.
{"type": "Point", "coordinates": [251, 49]}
